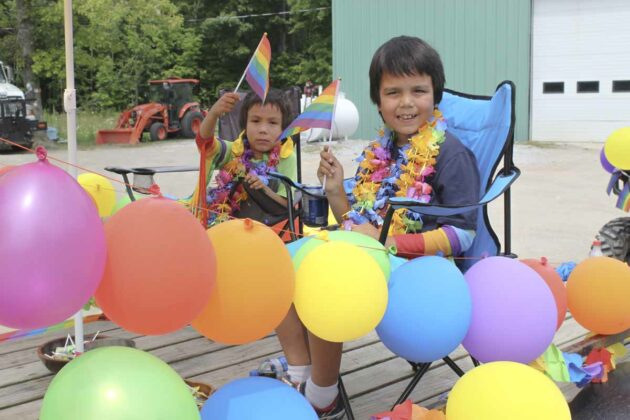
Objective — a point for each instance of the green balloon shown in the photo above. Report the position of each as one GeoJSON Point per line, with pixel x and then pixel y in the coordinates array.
{"type": "Point", "coordinates": [121, 203]}
{"type": "Point", "coordinates": [118, 383]}
{"type": "Point", "coordinates": [367, 243]}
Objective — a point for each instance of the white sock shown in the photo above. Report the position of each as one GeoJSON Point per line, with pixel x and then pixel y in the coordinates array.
{"type": "Point", "coordinates": [299, 374]}
{"type": "Point", "coordinates": [320, 396]}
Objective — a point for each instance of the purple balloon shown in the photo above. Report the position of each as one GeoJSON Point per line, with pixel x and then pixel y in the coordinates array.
{"type": "Point", "coordinates": [605, 164]}
{"type": "Point", "coordinates": [52, 246]}
{"type": "Point", "coordinates": [514, 313]}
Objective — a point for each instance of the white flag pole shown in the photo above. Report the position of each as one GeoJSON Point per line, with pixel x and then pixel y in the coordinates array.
{"type": "Point", "coordinates": [332, 122]}
{"type": "Point", "coordinates": [70, 106]}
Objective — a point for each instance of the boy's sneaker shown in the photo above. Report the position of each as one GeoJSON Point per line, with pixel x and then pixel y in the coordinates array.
{"type": "Point", "coordinates": [275, 368]}
{"type": "Point", "coordinates": [335, 411]}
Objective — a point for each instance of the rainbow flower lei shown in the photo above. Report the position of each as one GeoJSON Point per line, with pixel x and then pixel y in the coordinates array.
{"type": "Point", "coordinates": [380, 176]}
{"type": "Point", "coordinates": [225, 199]}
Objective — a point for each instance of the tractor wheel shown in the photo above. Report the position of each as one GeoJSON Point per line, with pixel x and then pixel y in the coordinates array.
{"type": "Point", "coordinates": [191, 123]}
{"type": "Point", "coordinates": [615, 238]}
{"type": "Point", "coordinates": [157, 131]}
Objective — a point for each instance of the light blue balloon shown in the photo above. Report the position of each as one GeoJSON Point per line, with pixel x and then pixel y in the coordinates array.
{"type": "Point", "coordinates": [396, 262]}
{"type": "Point", "coordinates": [428, 310]}
{"type": "Point", "coordinates": [257, 398]}
{"type": "Point", "coordinates": [295, 246]}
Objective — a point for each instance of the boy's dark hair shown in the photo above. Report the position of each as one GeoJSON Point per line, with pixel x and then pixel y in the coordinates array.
{"type": "Point", "coordinates": [406, 56]}
{"type": "Point", "coordinates": [274, 97]}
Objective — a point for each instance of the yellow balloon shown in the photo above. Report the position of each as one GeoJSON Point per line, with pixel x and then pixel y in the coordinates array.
{"type": "Point", "coordinates": [617, 148]}
{"type": "Point", "coordinates": [101, 190]}
{"type": "Point", "coordinates": [506, 390]}
{"type": "Point", "coordinates": [340, 292]}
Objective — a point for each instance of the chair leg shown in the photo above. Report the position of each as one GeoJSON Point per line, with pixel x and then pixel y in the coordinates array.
{"type": "Point", "coordinates": [346, 401]}
{"type": "Point", "coordinates": [475, 361]}
{"type": "Point", "coordinates": [453, 366]}
{"type": "Point", "coordinates": [422, 369]}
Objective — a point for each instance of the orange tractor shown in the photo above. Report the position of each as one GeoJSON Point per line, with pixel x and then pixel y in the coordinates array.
{"type": "Point", "coordinates": [170, 112]}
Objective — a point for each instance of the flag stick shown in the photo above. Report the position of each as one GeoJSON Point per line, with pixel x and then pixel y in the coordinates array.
{"type": "Point", "coordinates": [332, 122]}
{"type": "Point", "coordinates": [250, 62]}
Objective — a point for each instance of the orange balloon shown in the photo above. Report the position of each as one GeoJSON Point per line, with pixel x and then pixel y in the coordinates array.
{"type": "Point", "coordinates": [599, 294]}
{"type": "Point", "coordinates": [554, 281]}
{"type": "Point", "coordinates": [160, 269]}
{"type": "Point", "coordinates": [255, 283]}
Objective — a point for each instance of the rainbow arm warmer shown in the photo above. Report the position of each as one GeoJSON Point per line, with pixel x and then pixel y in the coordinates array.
{"type": "Point", "coordinates": [447, 240]}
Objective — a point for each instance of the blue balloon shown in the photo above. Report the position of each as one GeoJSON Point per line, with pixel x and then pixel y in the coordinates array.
{"type": "Point", "coordinates": [428, 311]}
{"type": "Point", "coordinates": [395, 262]}
{"type": "Point", "coordinates": [295, 246]}
{"type": "Point", "coordinates": [257, 398]}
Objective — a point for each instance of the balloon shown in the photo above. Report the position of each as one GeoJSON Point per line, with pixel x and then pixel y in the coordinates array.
{"type": "Point", "coordinates": [506, 390]}
{"type": "Point", "coordinates": [124, 200]}
{"type": "Point", "coordinates": [373, 247]}
{"type": "Point", "coordinates": [258, 398]}
{"type": "Point", "coordinates": [118, 383]}
{"type": "Point", "coordinates": [295, 246]}
{"type": "Point", "coordinates": [598, 292]}
{"type": "Point", "coordinates": [255, 283]}
{"type": "Point", "coordinates": [101, 190]}
{"type": "Point", "coordinates": [395, 262]}
{"type": "Point", "coordinates": [161, 267]}
{"type": "Point", "coordinates": [340, 293]}
{"type": "Point", "coordinates": [617, 148]}
{"type": "Point", "coordinates": [554, 281]}
{"type": "Point", "coordinates": [514, 314]}
{"type": "Point", "coordinates": [428, 312]}
{"type": "Point", "coordinates": [604, 162]}
{"type": "Point", "coordinates": [52, 246]}
{"type": "Point", "coordinates": [5, 169]}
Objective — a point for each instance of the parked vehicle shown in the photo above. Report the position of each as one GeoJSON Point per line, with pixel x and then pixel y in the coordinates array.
{"type": "Point", "coordinates": [171, 111]}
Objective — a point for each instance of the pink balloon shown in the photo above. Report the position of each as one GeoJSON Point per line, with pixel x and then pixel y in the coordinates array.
{"type": "Point", "coordinates": [52, 246]}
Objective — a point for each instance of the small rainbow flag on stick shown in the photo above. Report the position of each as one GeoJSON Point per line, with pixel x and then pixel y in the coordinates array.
{"type": "Point", "coordinates": [257, 71]}
{"type": "Point", "coordinates": [319, 114]}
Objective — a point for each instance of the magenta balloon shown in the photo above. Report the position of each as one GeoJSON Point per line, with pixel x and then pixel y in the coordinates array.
{"type": "Point", "coordinates": [604, 162]}
{"type": "Point", "coordinates": [514, 313]}
{"type": "Point", "coordinates": [52, 246]}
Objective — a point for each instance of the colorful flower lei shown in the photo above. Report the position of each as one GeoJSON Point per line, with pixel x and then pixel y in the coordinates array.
{"type": "Point", "coordinates": [225, 199]}
{"type": "Point", "coordinates": [380, 176]}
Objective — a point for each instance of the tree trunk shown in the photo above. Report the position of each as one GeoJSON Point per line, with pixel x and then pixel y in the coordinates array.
{"type": "Point", "coordinates": [25, 40]}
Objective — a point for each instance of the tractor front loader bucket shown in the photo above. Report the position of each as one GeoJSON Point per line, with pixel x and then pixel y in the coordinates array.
{"type": "Point", "coordinates": [117, 135]}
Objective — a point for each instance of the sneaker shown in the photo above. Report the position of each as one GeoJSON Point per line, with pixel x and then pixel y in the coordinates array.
{"type": "Point", "coordinates": [275, 368]}
{"type": "Point", "coordinates": [335, 411]}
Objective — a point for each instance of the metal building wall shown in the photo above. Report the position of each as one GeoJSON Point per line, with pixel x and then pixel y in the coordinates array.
{"type": "Point", "coordinates": [481, 42]}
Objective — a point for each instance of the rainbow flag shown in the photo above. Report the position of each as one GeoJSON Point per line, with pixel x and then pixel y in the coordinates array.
{"type": "Point", "coordinates": [319, 114]}
{"type": "Point", "coordinates": [257, 72]}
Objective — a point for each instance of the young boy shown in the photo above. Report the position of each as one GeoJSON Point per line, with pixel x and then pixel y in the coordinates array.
{"type": "Point", "coordinates": [414, 156]}
{"type": "Point", "coordinates": [243, 187]}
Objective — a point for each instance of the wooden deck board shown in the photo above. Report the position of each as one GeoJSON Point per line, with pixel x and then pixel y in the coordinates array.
{"type": "Point", "coordinates": [373, 376]}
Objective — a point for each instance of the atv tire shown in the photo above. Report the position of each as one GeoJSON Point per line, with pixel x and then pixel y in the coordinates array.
{"type": "Point", "coordinates": [191, 123]}
{"type": "Point", "coordinates": [157, 131]}
{"type": "Point", "coordinates": [615, 239]}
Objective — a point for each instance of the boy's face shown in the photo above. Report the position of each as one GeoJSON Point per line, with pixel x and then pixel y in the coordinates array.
{"type": "Point", "coordinates": [406, 103]}
{"type": "Point", "coordinates": [264, 125]}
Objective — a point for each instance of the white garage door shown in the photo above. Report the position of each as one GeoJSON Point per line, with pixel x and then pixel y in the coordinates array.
{"type": "Point", "coordinates": [580, 69]}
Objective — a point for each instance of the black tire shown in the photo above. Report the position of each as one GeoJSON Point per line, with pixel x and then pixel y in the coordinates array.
{"type": "Point", "coordinates": [157, 131]}
{"type": "Point", "coordinates": [190, 124]}
{"type": "Point", "coordinates": [615, 238]}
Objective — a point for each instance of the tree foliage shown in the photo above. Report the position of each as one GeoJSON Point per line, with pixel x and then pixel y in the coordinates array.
{"type": "Point", "coordinates": [121, 44]}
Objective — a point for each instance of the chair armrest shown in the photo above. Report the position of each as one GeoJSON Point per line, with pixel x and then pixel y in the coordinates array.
{"type": "Point", "coordinates": [501, 183]}
{"type": "Point", "coordinates": [163, 169]}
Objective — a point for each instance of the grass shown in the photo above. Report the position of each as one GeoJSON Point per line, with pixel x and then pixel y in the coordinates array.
{"type": "Point", "coordinates": [88, 123]}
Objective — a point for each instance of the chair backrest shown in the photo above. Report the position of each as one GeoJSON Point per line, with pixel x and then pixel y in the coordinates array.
{"type": "Point", "coordinates": [485, 125]}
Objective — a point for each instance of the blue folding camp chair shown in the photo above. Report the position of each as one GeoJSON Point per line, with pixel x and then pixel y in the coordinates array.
{"type": "Point", "coordinates": [486, 126]}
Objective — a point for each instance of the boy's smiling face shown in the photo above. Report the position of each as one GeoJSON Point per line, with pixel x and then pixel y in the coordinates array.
{"type": "Point", "coordinates": [406, 103]}
{"type": "Point", "coordinates": [264, 125]}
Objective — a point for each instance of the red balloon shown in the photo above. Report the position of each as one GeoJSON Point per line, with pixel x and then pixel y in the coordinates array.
{"type": "Point", "coordinates": [160, 270]}
{"type": "Point", "coordinates": [554, 281]}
